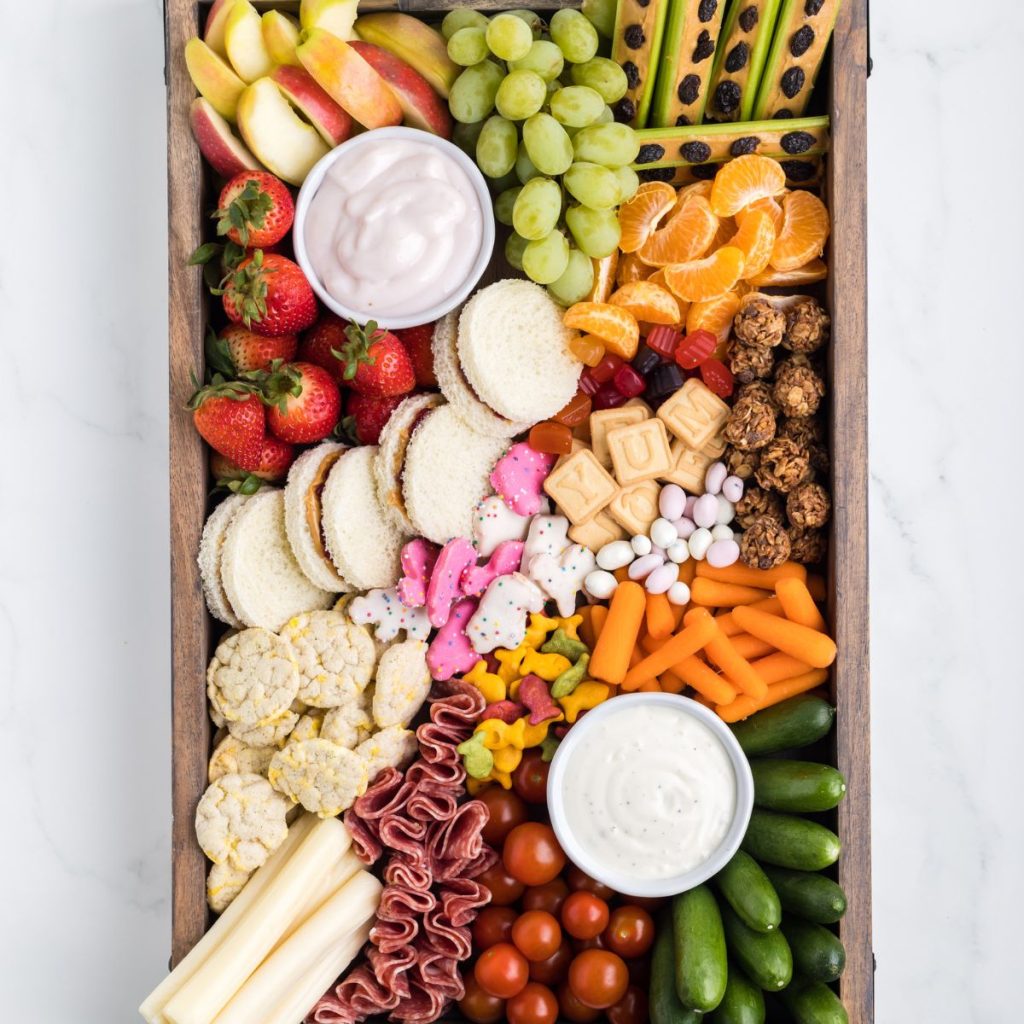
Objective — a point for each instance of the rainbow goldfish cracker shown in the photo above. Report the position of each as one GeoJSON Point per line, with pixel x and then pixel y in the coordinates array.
{"type": "Point", "coordinates": [548, 666]}
{"type": "Point", "coordinates": [561, 642]}
{"type": "Point", "coordinates": [476, 758]}
{"type": "Point", "coordinates": [567, 682]}
{"type": "Point", "coordinates": [535, 694]}
{"type": "Point", "coordinates": [586, 696]}
{"type": "Point", "coordinates": [491, 686]}
{"type": "Point", "coordinates": [506, 759]}
{"type": "Point", "coordinates": [509, 662]}
{"type": "Point", "coordinates": [538, 629]}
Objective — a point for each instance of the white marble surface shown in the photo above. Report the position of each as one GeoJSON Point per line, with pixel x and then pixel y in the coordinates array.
{"type": "Point", "coordinates": [84, 645]}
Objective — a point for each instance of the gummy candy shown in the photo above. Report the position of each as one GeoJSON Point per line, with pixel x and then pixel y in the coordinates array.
{"type": "Point", "coordinates": [551, 438]}
{"type": "Point", "coordinates": [575, 411]}
{"type": "Point", "coordinates": [645, 360]}
{"type": "Point", "coordinates": [666, 380]}
{"type": "Point", "coordinates": [605, 370]}
{"type": "Point", "coordinates": [664, 341]}
{"type": "Point", "coordinates": [609, 397]}
{"type": "Point", "coordinates": [587, 384]}
{"type": "Point", "coordinates": [587, 349]}
{"type": "Point", "coordinates": [628, 382]}
{"type": "Point", "coordinates": [717, 377]}
{"type": "Point", "coordinates": [695, 348]}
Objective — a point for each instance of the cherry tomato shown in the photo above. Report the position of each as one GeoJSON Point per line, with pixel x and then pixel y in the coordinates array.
{"type": "Point", "coordinates": [504, 889]}
{"type": "Point", "coordinates": [597, 942]}
{"type": "Point", "coordinates": [506, 811]}
{"type": "Point", "coordinates": [549, 896]}
{"type": "Point", "coordinates": [652, 904]}
{"type": "Point", "coordinates": [640, 972]}
{"type": "Point", "coordinates": [536, 1004]}
{"type": "Point", "coordinates": [502, 971]}
{"type": "Point", "coordinates": [532, 854]}
{"type": "Point", "coordinates": [630, 932]}
{"type": "Point", "coordinates": [553, 970]}
{"type": "Point", "coordinates": [479, 1006]}
{"type": "Point", "coordinates": [573, 1009]}
{"type": "Point", "coordinates": [578, 879]}
{"type": "Point", "coordinates": [630, 1009]}
{"type": "Point", "coordinates": [597, 978]}
{"type": "Point", "coordinates": [494, 925]}
{"type": "Point", "coordinates": [530, 779]}
{"type": "Point", "coordinates": [584, 915]}
{"type": "Point", "coordinates": [537, 935]}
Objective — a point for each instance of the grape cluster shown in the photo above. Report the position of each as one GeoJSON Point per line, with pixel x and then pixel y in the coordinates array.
{"type": "Point", "coordinates": [533, 109]}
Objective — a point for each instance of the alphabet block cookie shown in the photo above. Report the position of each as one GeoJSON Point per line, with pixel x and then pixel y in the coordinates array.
{"type": "Point", "coordinates": [636, 507]}
{"type": "Point", "coordinates": [639, 452]}
{"type": "Point", "coordinates": [715, 448]}
{"type": "Point", "coordinates": [597, 532]}
{"type": "Point", "coordinates": [604, 420]}
{"type": "Point", "coordinates": [694, 414]}
{"type": "Point", "coordinates": [581, 486]}
{"type": "Point", "coordinates": [688, 468]}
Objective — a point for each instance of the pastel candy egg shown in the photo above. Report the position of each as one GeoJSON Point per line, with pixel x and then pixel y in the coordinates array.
{"type": "Point", "coordinates": [691, 500]}
{"type": "Point", "coordinates": [641, 544]}
{"type": "Point", "coordinates": [615, 555]}
{"type": "Point", "coordinates": [684, 527]}
{"type": "Point", "coordinates": [679, 593]}
{"type": "Point", "coordinates": [725, 511]}
{"type": "Point", "coordinates": [663, 533]}
{"type": "Point", "coordinates": [671, 501]}
{"type": "Point", "coordinates": [715, 477]}
{"type": "Point", "coordinates": [600, 584]}
{"type": "Point", "coordinates": [705, 510]}
{"type": "Point", "coordinates": [721, 532]}
{"type": "Point", "coordinates": [644, 566]}
{"type": "Point", "coordinates": [662, 578]}
{"type": "Point", "coordinates": [732, 488]}
{"type": "Point", "coordinates": [678, 552]}
{"type": "Point", "coordinates": [699, 542]}
{"type": "Point", "coordinates": [723, 553]}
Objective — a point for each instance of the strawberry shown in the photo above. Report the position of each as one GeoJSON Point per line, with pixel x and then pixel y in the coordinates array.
{"type": "Point", "coordinates": [418, 342]}
{"type": "Point", "coordinates": [376, 362]}
{"type": "Point", "coordinates": [304, 402]}
{"type": "Point", "coordinates": [320, 341]}
{"type": "Point", "coordinates": [237, 350]}
{"type": "Point", "coordinates": [270, 295]}
{"type": "Point", "coordinates": [256, 209]}
{"type": "Point", "coordinates": [230, 418]}
{"type": "Point", "coordinates": [275, 460]}
{"type": "Point", "coordinates": [367, 415]}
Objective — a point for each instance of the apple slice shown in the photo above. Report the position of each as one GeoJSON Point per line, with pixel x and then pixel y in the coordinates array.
{"type": "Point", "coordinates": [331, 121]}
{"type": "Point", "coordinates": [213, 77]}
{"type": "Point", "coordinates": [213, 32]}
{"type": "Point", "coordinates": [348, 79]}
{"type": "Point", "coordinates": [220, 146]}
{"type": "Point", "coordinates": [243, 38]}
{"type": "Point", "coordinates": [415, 42]}
{"type": "Point", "coordinates": [422, 107]}
{"type": "Point", "coordinates": [286, 144]}
{"type": "Point", "coordinates": [336, 16]}
{"type": "Point", "coordinates": [280, 36]}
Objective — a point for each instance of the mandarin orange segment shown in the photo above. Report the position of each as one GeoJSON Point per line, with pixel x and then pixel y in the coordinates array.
{"type": "Point", "coordinates": [745, 180]}
{"type": "Point", "coordinates": [805, 227]}
{"type": "Point", "coordinates": [724, 234]}
{"type": "Point", "coordinates": [755, 240]}
{"type": "Point", "coordinates": [701, 280]}
{"type": "Point", "coordinates": [648, 302]}
{"type": "Point", "coordinates": [639, 217]}
{"type": "Point", "coordinates": [714, 315]}
{"type": "Point", "coordinates": [630, 270]}
{"type": "Point", "coordinates": [809, 273]}
{"type": "Point", "coordinates": [698, 188]}
{"type": "Point", "coordinates": [604, 277]}
{"type": "Point", "coordinates": [658, 278]}
{"type": "Point", "coordinates": [768, 205]}
{"type": "Point", "coordinates": [615, 326]}
{"type": "Point", "coordinates": [687, 235]}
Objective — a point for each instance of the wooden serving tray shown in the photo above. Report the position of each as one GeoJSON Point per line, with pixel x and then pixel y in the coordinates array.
{"type": "Point", "coordinates": [190, 196]}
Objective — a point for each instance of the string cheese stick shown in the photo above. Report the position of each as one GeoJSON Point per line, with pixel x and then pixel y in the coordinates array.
{"type": "Point", "coordinates": [152, 1008]}
{"type": "Point", "coordinates": [323, 888]}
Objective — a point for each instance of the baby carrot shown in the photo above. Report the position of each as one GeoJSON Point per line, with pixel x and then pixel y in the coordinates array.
{"type": "Point", "coordinates": [687, 571]}
{"type": "Point", "coordinates": [798, 605]}
{"type": "Point", "coordinates": [778, 666]}
{"type": "Point", "coordinates": [734, 666]}
{"type": "Point", "coordinates": [746, 576]}
{"type": "Point", "coordinates": [713, 594]}
{"type": "Point", "coordinates": [695, 673]}
{"type": "Point", "coordinates": [609, 661]}
{"type": "Point", "coordinates": [816, 585]}
{"type": "Point", "coordinates": [635, 657]}
{"type": "Point", "coordinates": [648, 644]}
{"type": "Point", "coordinates": [592, 624]}
{"type": "Point", "coordinates": [677, 613]}
{"type": "Point", "coordinates": [808, 645]}
{"type": "Point", "coordinates": [670, 682]}
{"type": "Point", "coordinates": [660, 620]}
{"type": "Point", "coordinates": [687, 641]}
{"type": "Point", "coordinates": [651, 686]}
{"type": "Point", "coordinates": [727, 624]}
{"type": "Point", "coordinates": [744, 706]}
{"type": "Point", "coordinates": [622, 574]}
{"type": "Point", "coordinates": [750, 647]}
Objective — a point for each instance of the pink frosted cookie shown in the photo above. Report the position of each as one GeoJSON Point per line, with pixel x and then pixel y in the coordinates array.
{"type": "Point", "coordinates": [418, 558]}
{"type": "Point", "coordinates": [500, 621]}
{"type": "Point", "coordinates": [519, 475]}
{"type": "Point", "coordinates": [456, 557]}
{"type": "Point", "coordinates": [506, 559]}
{"type": "Point", "coordinates": [385, 612]}
{"type": "Point", "coordinates": [451, 653]}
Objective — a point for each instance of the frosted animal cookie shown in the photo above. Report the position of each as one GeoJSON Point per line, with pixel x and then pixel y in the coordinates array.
{"type": "Point", "coordinates": [253, 677]}
{"type": "Point", "coordinates": [392, 747]}
{"type": "Point", "coordinates": [240, 821]}
{"type": "Point", "coordinates": [445, 586]}
{"type": "Point", "coordinates": [548, 536]}
{"type": "Point", "coordinates": [320, 775]}
{"type": "Point", "coordinates": [383, 610]}
{"type": "Point", "coordinates": [500, 621]}
{"type": "Point", "coordinates": [418, 559]}
{"type": "Point", "coordinates": [269, 734]}
{"type": "Point", "coordinates": [507, 558]}
{"type": "Point", "coordinates": [233, 757]}
{"type": "Point", "coordinates": [562, 578]}
{"type": "Point", "coordinates": [451, 653]}
{"type": "Point", "coordinates": [402, 684]}
{"type": "Point", "coordinates": [350, 724]}
{"type": "Point", "coordinates": [494, 523]}
{"type": "Point", "coordinates": [518, 478]}
{"type": "Point", "coordinates": [223, 884]}
{"type": "Point", "coordinates": [335, 657]}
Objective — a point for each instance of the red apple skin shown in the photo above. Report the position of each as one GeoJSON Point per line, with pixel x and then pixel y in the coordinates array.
{"type": "Point", "coordinates": [223, 150]}
{"type": "Point", "coordinates": [332, 121]}
{"type": "Point", "coordinates": [422, 107]}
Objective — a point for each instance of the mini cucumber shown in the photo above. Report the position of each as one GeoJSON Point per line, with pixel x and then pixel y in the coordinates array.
{"type": "Point", "coordinates": [807, 894]}
{"type": "Point", "coordinates": [797, 722]}
{"type": "Point", "coordinates": [797, 786]}
{"type": "Point", "coordinates": [701, 965]}
{"type": "Point", "coordinates": [764, 956]}
{"type": "Point", "coordinates": [811, 1002]}
{"type": "Point", "coordinates": [742, 1003]}
{"type": "Point", "coordinates": [790, 842]}
{"type": "Point", "coordinates": [817, 953]}
{"type": "Point", "coordinates": [747, 890]}
{"type": "Point", "coordinates": [665, 1007]}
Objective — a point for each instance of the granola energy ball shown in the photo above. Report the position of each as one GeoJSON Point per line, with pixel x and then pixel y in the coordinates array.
{"type": "Point", "coordinates": [808, 506]}
{"type": "Point", "coordinates": [750, 362]}
{"type": "Point", "coordinates": [798, 389]}
{"type": "Point", "coordinates": [765, 544]}
{"type": "Point", "coordinates": [759, 390]}
{"type": "Point", "coordinates": [740, 463]}
{"type": "Point", "coordinates": [807, 327]}
{"type": "Point", "coordinates": [751, 425]}
{"type": "Point", "coordinates": [784, 465]}
{"type": "Point", "coordinates": [757, 502]}
{"type": "Point", "coordinates": [760, 324]}
{"type": "Point", "coordinates": [809, 432]}
{"type": "Point", "coordinates": [807, 546]}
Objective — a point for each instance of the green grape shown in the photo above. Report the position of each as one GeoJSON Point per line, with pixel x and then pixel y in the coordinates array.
{"type": "Point", "coordinates": [576, 106]}
{"type": "Point", "coordinates": [535, 21]}
{"type": "Point", "coordinates": [521, 95]}
{"type": "Point", "coordinates": [545, 58]}
{"type": "Point", "coordinates": [575, 36]}
{"type": "Point", "coordinates": [461, 17]}
{"type": "Point", "coordinates": [465, 135]}
{"type": "Point", "coordinates": [509, 37]}
{"type": "Point", "coordinates": [545, 260]}
{"type": "Point", "coordinates": [537, 208]}
{"type": "Point", "coordinates": [468, 47]}
{"type": "Point", "coordinates": [548, 146]}
{"type": "Point", "coordinates": [472, 95]}
{"type": "Point", "coordinates": [596, 231]}
{"type": "Point", "coordinates": [609, 144]}
{"type": "Point", "coordinates": [502, 183]}
{"type": "Point", "coordinates": [629, 182]}
{"type": "Point", "coordinates": [600, 14]}
{"type": "Point", "coordinates": [593, 185]}
{"type": "Point", "coordinates": [603, 76]}
{"type": "Point", "coordinates": [504, 204]}
{"type": "Point", "coordinates": [525, 171]}
{"type": "Point", "coordinates": [497, 146]}
{"type": "Point", "coordinates": [607, 116]}
{"type": "Point", "coordinates": [576, 281]}
{"type": "Point", "coordinates": [514, 248]}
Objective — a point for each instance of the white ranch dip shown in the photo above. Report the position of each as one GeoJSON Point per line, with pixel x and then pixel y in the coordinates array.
{"type": "Point", "coordinates": [394, 228]}
{"type": "Point", "coordinates": [651, 793]}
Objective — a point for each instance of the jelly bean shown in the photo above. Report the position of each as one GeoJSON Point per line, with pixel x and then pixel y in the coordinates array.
{"type": "Point", "coordinates": [721, 532]}
{"type": "Point", "coordinates": [600, 584]}
{"type": "Point", "coordinates": [671, 501]}
{"type": "Point", "coordinates": [695, 348]}
{"type": "Point", "coordinates": [715, 477]}
{"type": "Point", "coordinates": [575, 411]}
{"type": "Point", "coordinates": [645, 360]}
{"type": "Point", "coordinates": [732, 488]}
{"type": "Point", "coordinates": [587, 384]}
{"type": "Point", "coordinates": [628, 381]}
{"type": "Point", "coordinates": [705, 510]}
{"type": "Point", "coordinates": [678, 552]}
{"type": "Point", "coordinates": [691, 500]}
{"type": "Point", "coordinates": [641, 545]}
{"type": "Point", "coordinates": [717, 376]}
{"type": "Point", "coordinates": [615, 555]}
{"type": "Point", "coordinates": [679, 593]}
{"type": "Point", "coordinates": [644, 566]}
{"type": "Point", "coordinates": [699, 543]}
{"type": "Point", "coordinates": [608, 396]}
{"type": "Point", "coordinates": [663, 533]}
{"type": "Point", "coordinates": [723, 553]}
{"type": "Point", "coordinates": [606, 368]}
{"type": "Point", "coordinates": [726, 511]}
{"type": "Point", "coordinates": [684, 527]}
{"type": "Point", "coordinates": [551, 438]}
{"type": "Point", "coordinates": [664, 341]}
{"type": "Point", "coordinates": [659, 581]}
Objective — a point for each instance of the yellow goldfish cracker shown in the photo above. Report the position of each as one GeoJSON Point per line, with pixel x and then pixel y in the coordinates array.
{"type": "Point", "coordinates": [506, 759]}
{"type": "Point", "coordinates": [402, 683]}
{"type": "Point", "coordinates": [474, 786]}
{"type": "Point", "coordinates": [548, 666]}
{"type": "Point", "coordinates": [320, 775]}
{"type": "Point", "coordinates": [509, 661]}
{"type": "Point", "coordinates": [491, 686]}
{"type": "Point", "coordinates": [349, 725]}
{"type": "Point", "coordinates": [269, 734]}
{"type": "Point", "coordinates": [233, 757]}
{"type": "Point", "coordinates": [586, 696]}
{"type": "Point", "coordinates": [253, 677]}
{"type": "Point", "coordinates": [335, 657]}
{"type": "Point", "coordinates": [571, 626]}
{"type": "Point", "coordinates": [534, 735]}
{"type": "Point", "coordinates": [392, 747]}
{"type": "Point", "coordinates": [538, 629]}
{"type": "Point", "coordinates": [240, 821]}
{"type": "Point", "coordinates": [223, 884]}
{"type": "Point", "coordinates": [504, 779]}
